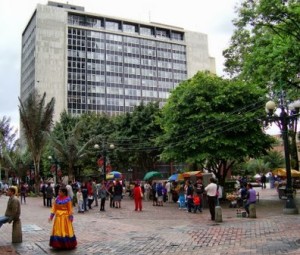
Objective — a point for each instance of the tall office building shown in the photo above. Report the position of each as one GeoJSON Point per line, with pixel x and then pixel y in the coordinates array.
{"type": "Point", "coordinates": [97, 63]}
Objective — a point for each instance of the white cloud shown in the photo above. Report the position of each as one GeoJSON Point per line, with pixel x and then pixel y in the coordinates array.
{"type": "Point", "coordinates": [212, 17]}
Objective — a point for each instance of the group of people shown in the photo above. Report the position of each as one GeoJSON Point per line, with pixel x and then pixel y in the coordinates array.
{"type": "Point", "coordinates": [190, 196]}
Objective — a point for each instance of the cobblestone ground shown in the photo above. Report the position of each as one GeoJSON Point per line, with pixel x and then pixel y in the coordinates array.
{"type": "Point", "coordinates": [161, 230]}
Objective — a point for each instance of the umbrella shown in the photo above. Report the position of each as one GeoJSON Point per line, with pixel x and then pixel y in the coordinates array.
{"type": "Point", "coordinates": [192, 173]}
{"type": "Point", "coordinates": [282, 172]}
{"type": "Point", "coordinates": [151, 175]}
{"type": "Point", "coordinates": [113, 175]}
{"type": "Point", "coordinates": [176, 177]}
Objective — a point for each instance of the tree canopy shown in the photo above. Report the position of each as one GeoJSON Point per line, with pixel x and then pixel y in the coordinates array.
{"type": "Point", "coordinates": [213, 122]}
{"type": "Point", "coordinates": [265, 47]}
{"type": "Point", "coordinates": [135, 135]}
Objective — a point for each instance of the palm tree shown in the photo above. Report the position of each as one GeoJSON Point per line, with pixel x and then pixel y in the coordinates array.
{"type": "Point", "coordinates": [68, 148]}
{"type": "Point", "coordinates": [7, 143]}
{"type": "Point", "coordinates": [275, 159]}
{"type": "Point", "coordinates": [257, 166]}
{"type": "Point", "coordinates": [36, 120]}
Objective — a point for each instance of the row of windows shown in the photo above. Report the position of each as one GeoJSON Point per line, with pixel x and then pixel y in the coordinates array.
{"type": "Point", "coordinates": [112, 78]}
{"type": "Point", "coordinates": [136, 70]}
{"type": "Point", "coordinates": [117, 25]}
{"type": "Point", "coordinates": [114, 101]}
{"type": "Point", "coordinates": [80, 52]}
{"type": "Point", "coordinates": [97, 40]}
{"type": "Point", "coordinates": [137, 91]}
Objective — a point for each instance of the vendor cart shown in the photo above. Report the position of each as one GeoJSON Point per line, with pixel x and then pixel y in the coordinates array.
{"type": "Point", "coordinates": [282, 192]}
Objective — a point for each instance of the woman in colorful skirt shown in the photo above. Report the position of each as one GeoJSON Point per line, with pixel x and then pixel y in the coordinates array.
{"type": "Point", "coordinates": [62, 236]}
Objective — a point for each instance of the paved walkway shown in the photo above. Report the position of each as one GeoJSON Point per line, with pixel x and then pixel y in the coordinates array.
{"type": "Point", "coordinates": [161, 230]}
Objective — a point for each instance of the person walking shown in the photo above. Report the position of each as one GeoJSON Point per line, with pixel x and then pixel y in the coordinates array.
{"type": "Point", "coordinates": [49, 195]}
{"type": "Point", "coordinates": [62, 235]}
{"type": "Point", "coordinates": [95, 192]}
{"type": "Point", "coordinates": [118, 191]}
{"type": "Point", "coordinates": [251, 197]}
{"type": "Point", "coordinates": [138, 197]}
{"type": "Point", "coordinates": [79, 197]}
{"type": "Point", "coordinates": [263, 180]}
{"type": "Point", "coordinates": [154, 193]}
{"type": "Point", "coordinates": [90, 194]}
{"type": "Point", "coordinates": [23, 191]}
{"type": "Point", "coordinates": [159, 192]}
{"type": "Point", "coordinates": [70, 190]}
{"type": "Point", "coordinates": [111, 191]}
{"type": "Point", "coordinates": [84, 191]}
{"type": "Point", "coordinates": [12, 214]}
{"type": "Point", "coordinates": [189, 195]}
{"type": "Point", "coordinates": [199, 188]}
{"type": "Point", "coordinates": [43, 190]}
{"type": "Point", "coordinates": [169, 192]}
{"type": "Point", "coordinates": [103, 192]}
{"type": "Point", "coordinates": [211, 191]}
{"type": "Point", "coordinates": [147, 191]}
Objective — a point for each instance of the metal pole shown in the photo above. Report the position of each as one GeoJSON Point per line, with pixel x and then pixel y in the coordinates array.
{"type": "Point", "coordinates": [290, 207]}
{"type": "Point", "coordinates": [104, 160]}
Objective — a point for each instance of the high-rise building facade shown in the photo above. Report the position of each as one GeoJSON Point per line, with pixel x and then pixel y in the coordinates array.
{"type": "Point", "coordinates": [97, 63]}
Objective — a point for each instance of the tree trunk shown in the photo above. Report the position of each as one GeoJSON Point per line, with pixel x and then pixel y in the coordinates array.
{"type": "Point", "coordinates": [37, 179]}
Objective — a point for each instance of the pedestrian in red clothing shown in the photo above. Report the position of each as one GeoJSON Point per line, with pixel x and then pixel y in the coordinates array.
{"type": "Point", "coordinates": [138, 196]}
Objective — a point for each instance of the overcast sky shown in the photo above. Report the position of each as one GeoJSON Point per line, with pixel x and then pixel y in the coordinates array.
{"type": "Point", "coordinates": [212, 17]}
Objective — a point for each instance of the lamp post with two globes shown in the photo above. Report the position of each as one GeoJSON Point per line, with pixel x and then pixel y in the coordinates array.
{"type": "Point", "coordinates": [103, 158]}
{"type": "Point", "coordinates": [55, 162]}
{"type": "Point", "coordinates": [283, 119]}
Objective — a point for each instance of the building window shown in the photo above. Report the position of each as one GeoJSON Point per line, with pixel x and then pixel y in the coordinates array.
{"type": "Point", "coordinates": [128, 28]}
{"type": "Point", "coordinates": [112, 25]}
{"type": "Point", "coordinates": [146, 31]}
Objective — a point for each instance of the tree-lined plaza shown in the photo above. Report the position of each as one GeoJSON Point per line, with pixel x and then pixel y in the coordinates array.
{"type": "Point", "coordinates": [209, 123]}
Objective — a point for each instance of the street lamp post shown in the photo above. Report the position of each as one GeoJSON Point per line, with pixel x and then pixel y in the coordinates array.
{"type": "Point", "coordinates": [54, 160]}
{"type": "Point", "coordinates": [286, 116]}
{"type": "Point", "coordinates": [130, 171]}
{"type": "Point", "coordinates": [104, 150]}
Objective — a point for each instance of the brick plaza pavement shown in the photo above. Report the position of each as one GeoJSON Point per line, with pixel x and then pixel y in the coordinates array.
{"type": "Point", "coordinates": [161, 230]}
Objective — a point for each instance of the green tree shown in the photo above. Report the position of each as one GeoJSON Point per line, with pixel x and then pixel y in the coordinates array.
{"type": "Point", "coordinates": [7, 143]}
{"type": "Point", "coordinates": [213, 122]}
{"type": "Point", "coordinates": [79, 133]}
{"type": "Point", "coordinates": [265, 47]}
{"type": "Point", "coordinates": [265, 50]}
{"type": "Point", "coordinates": [275, 159]}
{"type": "Point", "coordinates": [68, 146]}
{"type": "Point", "coordinates": [100, 127]}
{"type": "Point", "coordinates": [36, 119]}
{"type": "Point", "coordinates": [257, 166]}
{"type": "Point", "coordinates": [135, 135]}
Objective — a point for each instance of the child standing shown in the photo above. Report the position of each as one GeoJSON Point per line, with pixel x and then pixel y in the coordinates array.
{"type": "Point", "coordinates": [181, 198]}
{"type": "Point", "coordinates": [79, 197]}
{"type": "Point", "coordinates": [196, 202]}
